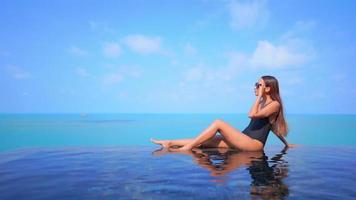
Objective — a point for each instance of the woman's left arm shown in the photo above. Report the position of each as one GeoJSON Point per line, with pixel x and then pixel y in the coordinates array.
{"type": "Point", "coordinates": [254, 108]}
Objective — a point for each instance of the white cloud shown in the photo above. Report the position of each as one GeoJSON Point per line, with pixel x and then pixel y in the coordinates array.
{"type": "Point", "coordinates": [248, 14]}
{"type": "Point", "coordinates": [271, 56]}
{"type": "Point", "coordinates": [266, 56]}
{"type": "Point", "coordinates": [226, 82]}
{"type": "Point", "coordinates": [77, 51]}
{"type": "Point", "coordinates": [222, 80]}
{"type": "Point", "coordinates": [291, 50]}
{"type": "Point", "coordinates": [17, 72]}
{"type": "Point", "coordinates": [112, 49]}
{"type": "Point", "coordinates": [143, 44]}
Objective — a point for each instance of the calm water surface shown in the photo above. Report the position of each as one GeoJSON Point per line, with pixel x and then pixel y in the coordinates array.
{"type": "Point", "coordinates": [109, 156]}
{"type": "Point", "coordinates": [154, 173]}
{"type": "Point", "coordinates": [43, 130]}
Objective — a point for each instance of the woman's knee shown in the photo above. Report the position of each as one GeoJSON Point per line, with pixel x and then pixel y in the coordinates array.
{"type": "Point", "coordinates": [218, 122]}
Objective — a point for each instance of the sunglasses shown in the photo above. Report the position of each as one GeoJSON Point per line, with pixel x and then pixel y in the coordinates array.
{"type": "Point", "coordinates": [257, 85]}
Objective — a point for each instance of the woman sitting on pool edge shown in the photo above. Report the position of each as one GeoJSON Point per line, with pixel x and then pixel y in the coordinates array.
{"type": "Point", "coordinates": [266, 114]}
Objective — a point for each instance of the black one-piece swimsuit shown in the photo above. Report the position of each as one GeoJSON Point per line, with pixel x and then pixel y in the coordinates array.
{"type": "Point", "coordinates": [258, 129]}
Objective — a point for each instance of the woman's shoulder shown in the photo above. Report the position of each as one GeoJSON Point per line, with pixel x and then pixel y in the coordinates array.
{"type": "Point", "coordinates": [276, 102]}
{"type": "Point", "coordinates": [273, 102]}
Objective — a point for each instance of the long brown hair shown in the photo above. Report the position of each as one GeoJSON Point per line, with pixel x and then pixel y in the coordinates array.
{"type": "Point", "coordinates": [280, 126]}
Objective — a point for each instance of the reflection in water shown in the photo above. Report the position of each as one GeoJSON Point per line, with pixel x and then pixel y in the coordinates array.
{"type": "Point", "coordinates": [266, 175]}
{"type": "Point", "coordinates": [267, 180]}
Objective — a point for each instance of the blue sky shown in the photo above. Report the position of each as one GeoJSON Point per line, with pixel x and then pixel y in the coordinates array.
{"type": "Point", "coordinates": [175, 56]}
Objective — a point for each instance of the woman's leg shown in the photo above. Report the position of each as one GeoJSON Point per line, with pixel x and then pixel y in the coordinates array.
{"type": "Point", "coordinates": [232, 136]}
{"type": "Point", "coordinates": [180, 142]}
{"type": "Point", "coordinates": [169, 143]}
{"type": "Point", "coordinates": [217, 141]}
{"type": "Point", "coordinates": [208, 142]}
{"type": "Point", "coordinates": [206, 135]}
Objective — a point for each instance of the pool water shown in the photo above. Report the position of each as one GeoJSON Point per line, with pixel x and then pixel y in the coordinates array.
{"type": "Point", "coordinates": [109, 156]}
{"type": "Point", "coordinates": [143, 172]}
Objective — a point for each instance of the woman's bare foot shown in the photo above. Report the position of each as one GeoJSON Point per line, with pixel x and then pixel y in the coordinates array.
{"type": "Point", "coordinates": [164, 143]}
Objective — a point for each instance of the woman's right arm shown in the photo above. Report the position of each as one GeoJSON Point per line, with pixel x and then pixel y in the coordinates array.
{"type": "Point", "coordinates": [283, 139]}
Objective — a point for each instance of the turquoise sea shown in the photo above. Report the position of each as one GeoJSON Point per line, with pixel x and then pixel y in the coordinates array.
{"type": "Point", "coordinates": [109, 156]}
{"type": "Point", "coordinates": [57, 130]}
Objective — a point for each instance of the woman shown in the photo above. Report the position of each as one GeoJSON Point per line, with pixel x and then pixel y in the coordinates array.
{"type": "Point", "coordinates": [266, 114]}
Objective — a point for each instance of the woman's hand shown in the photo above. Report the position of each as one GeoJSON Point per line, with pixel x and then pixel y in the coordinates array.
{"type": "Point", "coordinates": [292, 145]}
{"type": "Point", "coordinates": [260, 91]}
